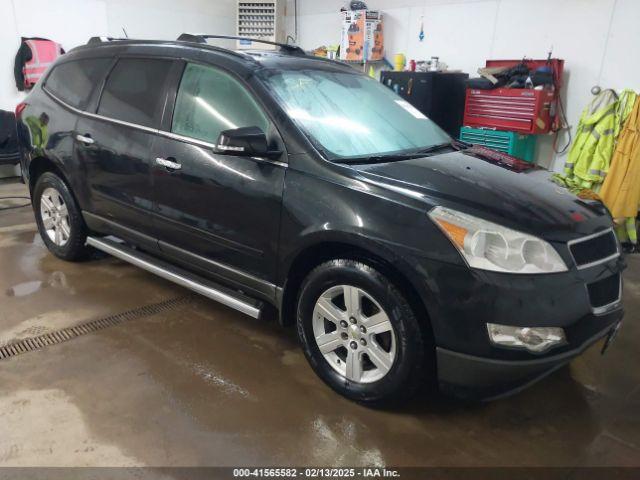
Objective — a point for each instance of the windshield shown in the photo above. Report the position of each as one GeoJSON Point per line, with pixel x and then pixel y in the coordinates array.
{"type": "Point", "coordinates": [349, 115]}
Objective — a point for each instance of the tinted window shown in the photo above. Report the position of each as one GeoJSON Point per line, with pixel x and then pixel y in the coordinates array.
{"type": "Point", "coordinates": [210, 101]}
{"type": "Point", "coordinates": [134, 91]}
{"type": "Point", "coordinates": [73, 82]}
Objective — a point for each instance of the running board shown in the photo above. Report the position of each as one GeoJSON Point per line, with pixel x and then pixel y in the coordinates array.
{"type": "Point", "coordinates": [209, 289]}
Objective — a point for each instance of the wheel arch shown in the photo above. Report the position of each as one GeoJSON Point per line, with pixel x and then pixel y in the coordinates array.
{"type": "Point", "coordinates": [42, 164]}
{"type": "Point", "coordinates": [378, 256]}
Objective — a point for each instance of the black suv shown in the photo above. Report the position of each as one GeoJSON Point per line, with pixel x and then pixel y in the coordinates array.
{"type": "Point", "coordinates": [278, 179]}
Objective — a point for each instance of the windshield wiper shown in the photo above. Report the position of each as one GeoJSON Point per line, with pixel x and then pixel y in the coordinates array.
{"type": "Point", "coordinates": [455, 144]}
{"type": "Point", "coordinates": [392, 157]}
{"type": "Point", "coordinates": [379, 158]}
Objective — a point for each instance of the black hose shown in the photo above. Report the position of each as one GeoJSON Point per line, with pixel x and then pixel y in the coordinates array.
{"type": "Point", "coordinates": [563, 119]}
{"type": "Point", "coordinates": [15, 206]}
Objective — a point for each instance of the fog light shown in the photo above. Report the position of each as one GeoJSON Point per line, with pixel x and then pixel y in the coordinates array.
{"type": "Point", "coordinates": [534, 339]}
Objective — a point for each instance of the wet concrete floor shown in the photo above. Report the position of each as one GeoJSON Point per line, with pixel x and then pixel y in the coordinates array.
{"type": "Point", "coordinates": [201, 384]}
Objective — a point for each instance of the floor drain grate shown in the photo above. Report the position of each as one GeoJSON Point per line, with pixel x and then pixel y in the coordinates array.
{"type": "Point", "coordinates": [66, 334]}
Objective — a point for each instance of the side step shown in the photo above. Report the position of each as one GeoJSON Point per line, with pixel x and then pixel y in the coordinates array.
{"type": "Point", "coordinates": [209, 289]}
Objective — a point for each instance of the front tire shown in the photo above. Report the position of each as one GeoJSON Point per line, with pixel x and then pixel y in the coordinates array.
{"type": "Point", "coordinates": [359, 333]}
{"type": "Point", "coordinates": [59, 219]}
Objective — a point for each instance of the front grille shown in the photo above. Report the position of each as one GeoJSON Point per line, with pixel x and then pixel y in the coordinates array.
{"type": "Point", "coordinates": [604, 292]}
{"type": "Point", "coordinates": [594, 248]}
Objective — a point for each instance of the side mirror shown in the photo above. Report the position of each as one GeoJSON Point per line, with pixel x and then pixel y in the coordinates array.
{"type": "Point", "coordinates": [245, 142]}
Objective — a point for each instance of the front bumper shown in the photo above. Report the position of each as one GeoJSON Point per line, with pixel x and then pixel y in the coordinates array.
{"type": "Point", "coordinates": [461, 302]}
{"type": "Point", "coordinates": [480, 378]}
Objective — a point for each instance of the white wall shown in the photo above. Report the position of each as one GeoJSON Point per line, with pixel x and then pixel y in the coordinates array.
{"type": "Point", "coordinates": [598, 39]}
{"type": "Point", "coordinates": [73, 22]}
{"type": "Point", "coordinates": [166, 19]}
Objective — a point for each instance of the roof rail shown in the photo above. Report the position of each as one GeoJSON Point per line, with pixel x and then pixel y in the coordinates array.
{"type": "Point", "coordinates": [95, 40]}
{"type": "Point", "coordinates": [284, 47]}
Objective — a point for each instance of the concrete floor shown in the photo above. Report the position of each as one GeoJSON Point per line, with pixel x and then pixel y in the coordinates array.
{"type": "Point", "coordinates": [204, 385]}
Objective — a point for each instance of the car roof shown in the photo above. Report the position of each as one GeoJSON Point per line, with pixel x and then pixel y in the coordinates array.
{"type": "Point", "coordinates": [251, 59]}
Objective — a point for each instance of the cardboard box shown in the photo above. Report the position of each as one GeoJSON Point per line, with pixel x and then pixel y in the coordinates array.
{"type": "Point", "coordinates": [362, 38]}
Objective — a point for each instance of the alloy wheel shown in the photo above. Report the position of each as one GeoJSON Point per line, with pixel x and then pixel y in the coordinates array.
{"type": "Point", "coordinates": [55, 216]}
{"type": "Point", "coordinates": [354, 334]}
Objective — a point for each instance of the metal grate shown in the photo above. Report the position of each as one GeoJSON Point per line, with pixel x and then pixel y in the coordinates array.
{"type": "Point", "coordinates": [66, 334]}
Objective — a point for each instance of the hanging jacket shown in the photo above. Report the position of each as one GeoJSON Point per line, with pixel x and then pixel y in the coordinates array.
{"type": "Point", "coordinates": [32, 60]}
{"type": "Point", "coordinates": [621, 189]}
{"type": "Point", "coordinates": [593, 145]}
{"type": "Point", "coordinates": [626, 101]}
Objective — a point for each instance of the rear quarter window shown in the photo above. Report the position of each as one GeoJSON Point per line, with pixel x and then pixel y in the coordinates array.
{"type": "Point", "coordinates": [74, 81]}
{"type": "Point", "coordinates": [134, 91]}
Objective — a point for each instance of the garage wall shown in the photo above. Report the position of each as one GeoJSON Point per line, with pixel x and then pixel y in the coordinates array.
{"type": "Point", "coordinates": [73, 22]}
{"type": "Point", "coordinates": [167, 19]}
{"type": "Point", "coordinates": [597, 39]}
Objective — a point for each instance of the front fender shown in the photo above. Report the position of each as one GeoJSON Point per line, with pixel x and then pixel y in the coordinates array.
{"type": "Point", "coordinates": [321, 216]}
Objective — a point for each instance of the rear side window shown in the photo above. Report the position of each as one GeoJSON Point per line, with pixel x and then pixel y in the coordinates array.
{"type": "Point", "coordinates": [210, 101]}
{"type": "Point", "coordinates": [72, 82]}
{"type": "Point", "coordinates": [134, 91]}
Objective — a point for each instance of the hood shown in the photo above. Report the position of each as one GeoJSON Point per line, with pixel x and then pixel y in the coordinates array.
{"type": "Point", "coordinates": [494, 186]}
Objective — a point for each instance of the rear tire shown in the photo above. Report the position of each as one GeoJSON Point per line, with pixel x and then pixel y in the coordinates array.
{"type": "Point", "coordinates": [59, 219]}
{"type": "Point", "coordinates": [360, 334]}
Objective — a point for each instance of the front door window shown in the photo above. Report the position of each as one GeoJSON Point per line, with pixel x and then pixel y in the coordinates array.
{"type": "Point", "coordinates": [210, 101]}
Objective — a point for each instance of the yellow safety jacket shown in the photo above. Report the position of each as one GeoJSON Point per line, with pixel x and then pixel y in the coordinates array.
{"type": "Point", "coordinates": [592, 150]}
{"type": "Point", "coordinates": [621, 189]}
{"type": "Point", "coordinates": [593, 146]}
{"type": "Point", "coordinates": [626, 101]}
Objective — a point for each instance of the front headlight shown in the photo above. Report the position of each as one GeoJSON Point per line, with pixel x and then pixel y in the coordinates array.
{"type": "Point", "coordinates": [488, 246]}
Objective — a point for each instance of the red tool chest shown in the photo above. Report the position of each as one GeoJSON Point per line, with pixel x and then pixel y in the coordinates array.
{"type": "Point", "coordinates": [519, 110]}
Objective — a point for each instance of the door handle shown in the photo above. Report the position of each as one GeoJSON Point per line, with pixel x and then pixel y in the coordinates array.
{"type": "Point", "coordinates": [86, 139]}
{"type": "Point", "coordinates": [169, 164]}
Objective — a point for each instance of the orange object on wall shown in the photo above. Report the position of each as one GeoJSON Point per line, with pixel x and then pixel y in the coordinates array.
{"type": "Point", "coordinates": [362, 37]}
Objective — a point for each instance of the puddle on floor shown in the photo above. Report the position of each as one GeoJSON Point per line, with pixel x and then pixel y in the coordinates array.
{"type": "Point", "coordinates": [56, 280]}
{"type": "Point", "coordinates": [24, 289]}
